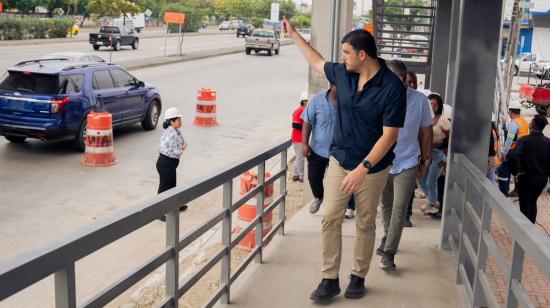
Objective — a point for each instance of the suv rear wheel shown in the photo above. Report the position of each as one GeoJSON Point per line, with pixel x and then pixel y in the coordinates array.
{"type": "Point", "coordinates": [247, 50]}
{"type": "Point", "coordinates": [16, 139]}
{"type": "Point", "coordinates": [152, 116]}
{"type": "Point", "coordinates": [78, 142]}
{"type": "Point", "coordinates": [135, 44]}
{"type": "Point", "coordinates": [96, 47]}
{"type": "Point", "coordinates": [116, 46]}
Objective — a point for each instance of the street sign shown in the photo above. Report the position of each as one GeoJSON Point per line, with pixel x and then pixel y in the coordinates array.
{"type": "Point", "coordinates": [148, 13]}
{"type": "Point", "coordinates": [275, 11]}
{"type": "Point", "coordinates": [174, 18]}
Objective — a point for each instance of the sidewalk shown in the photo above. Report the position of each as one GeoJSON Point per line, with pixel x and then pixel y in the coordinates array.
{"type": "Point", "coordinates": [291, 270]}
{"type": "Point", "coordinates": [533, 281]}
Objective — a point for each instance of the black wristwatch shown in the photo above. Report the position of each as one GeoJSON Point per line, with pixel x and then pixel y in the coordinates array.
{"type": "Point", "coordinates": [367, 164]}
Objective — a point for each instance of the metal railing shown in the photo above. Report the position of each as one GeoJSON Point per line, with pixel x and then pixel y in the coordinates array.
{"type": "Point", "coordinates": [59, 257]}
{"type": "Point", "coordinates": [472, 203]}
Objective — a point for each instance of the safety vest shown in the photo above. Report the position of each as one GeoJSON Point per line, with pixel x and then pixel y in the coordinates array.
{"type": "Point", "coordinates": [496, 147]}
{"type": "Point", "coordinates": [522, 131]}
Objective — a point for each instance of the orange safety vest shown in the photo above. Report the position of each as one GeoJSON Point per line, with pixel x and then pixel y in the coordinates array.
{"type": "Point", "coordinates": [522, 131]}
{"type": "Point", "coordinates": [496, 147]}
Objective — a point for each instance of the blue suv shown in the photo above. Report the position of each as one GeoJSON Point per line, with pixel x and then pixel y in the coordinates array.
{"type": "Point", "coordinates": [50, 99]}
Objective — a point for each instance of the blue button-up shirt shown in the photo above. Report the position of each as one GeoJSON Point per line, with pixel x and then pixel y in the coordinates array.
{"type": "Point", "coordinates": [363, 114]}
{"type": "Point", "coordinates": [320, 113]}
{"type": "Point", "coordinates": [407, 149]}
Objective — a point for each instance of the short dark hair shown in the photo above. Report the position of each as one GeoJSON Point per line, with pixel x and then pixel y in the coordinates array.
{"type": "Point", "coordinates": [362, 40]}
{"type": "Point", "coordinates": [439, 100]}
{"type": "Point", "coordinates": [514, 110]}
{"type": "Point", "coordinates": [398, 68]}
{"type": "Point", "coordinates": [539, 122]}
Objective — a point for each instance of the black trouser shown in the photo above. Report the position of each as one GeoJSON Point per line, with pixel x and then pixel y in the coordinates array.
{"type": "Point", "coordinates": [317, 165]}
{"type": "Point", "coordinates": [166, 167]}
{"type": "Point", "coordinates": [530, 186]}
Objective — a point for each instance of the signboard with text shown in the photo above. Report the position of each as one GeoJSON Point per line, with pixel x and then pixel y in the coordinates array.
{"type": "Point", "coordinates": [275, 11]}
{"type": "Point", "coordinates": [174, 18]}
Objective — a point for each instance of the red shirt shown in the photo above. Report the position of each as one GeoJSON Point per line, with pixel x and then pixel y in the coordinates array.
{"type": "Point", "coordinates": [297, 118]}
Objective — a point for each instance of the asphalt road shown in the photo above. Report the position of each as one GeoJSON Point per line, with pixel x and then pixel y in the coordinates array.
{"type": "Point", "coordinates": [149, 47]}
{"type": "Point", "coordinates": [46, 192]}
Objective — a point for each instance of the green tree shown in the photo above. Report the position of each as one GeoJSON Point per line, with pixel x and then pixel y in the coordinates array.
{"type": "Point", "coordinates": [194, 14]}
{"type": "Point", "coordinates": [112, 8]}
{"type": "Point", "coordinates": [301, 20]}
{"type": "Point", "coordinates": [23, 6]}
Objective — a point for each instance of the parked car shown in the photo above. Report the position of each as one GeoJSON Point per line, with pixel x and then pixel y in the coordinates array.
{"type": "Point", "coordinates": [224, 25]}
{"type": "Point", "coordinates": [115, 37]}
{"type": "Point", "coordinates": [523, 63]}
{"type": "Point", "coordinates": [263, 40]}
{"type": "Point", "coordinates": [244, 30]}
{"type": "Point", "coordinates": [50, 100]}
{"type": "Point", "coordinates": [73, 56]}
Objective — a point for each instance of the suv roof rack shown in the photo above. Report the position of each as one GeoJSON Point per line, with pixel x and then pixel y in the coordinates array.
{"type": "Point", "coordinates": [41, 60]}
{"type": "Point", "coordinates": [72, 67]}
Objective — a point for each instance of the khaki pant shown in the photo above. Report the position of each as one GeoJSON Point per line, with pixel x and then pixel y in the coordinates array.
{"type": "Point", "coordinates": [335, 202]}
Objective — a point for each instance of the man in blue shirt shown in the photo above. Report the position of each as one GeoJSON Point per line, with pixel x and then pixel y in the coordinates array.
{"type": "Point", "coordinates": [371, 109]}
{"type": "Point", "coordinates": [406, 168]}
{"type": "Point", "coordinates": [319, 117]}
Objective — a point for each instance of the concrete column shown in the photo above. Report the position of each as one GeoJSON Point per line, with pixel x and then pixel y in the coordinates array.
{"type": "Point", "coordinates": [453, 41]}
{"type": "Point", "coordinates": [440, 53]}
{"type": "Point", "coordinates": [321, 35]}
{"type": "Point", "coordinates": [471, 90]}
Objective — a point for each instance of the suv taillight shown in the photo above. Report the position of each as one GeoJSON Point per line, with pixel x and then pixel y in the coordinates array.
{"type": "Point", "coordinates": [58, 103]}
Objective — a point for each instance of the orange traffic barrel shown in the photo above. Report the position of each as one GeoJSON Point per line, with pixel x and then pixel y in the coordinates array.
{"type": "Point", "coordinates": [205, 114]}
{"type": "Point", "coordinates": [99, 140]}
{"type": "Point", "coordinates": [247, 212]}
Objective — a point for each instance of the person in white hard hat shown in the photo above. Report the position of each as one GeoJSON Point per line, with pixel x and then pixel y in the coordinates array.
{"type": "Point", "coordinates": [297, 124]}
{"type": "Point", "coordinates": [172, 146]}
{"type": "Point", "coordinates": [518, 127]}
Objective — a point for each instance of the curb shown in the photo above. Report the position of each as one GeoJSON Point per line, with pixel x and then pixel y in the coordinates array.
{"type": "Point", "coordinates": [196, 55]}
{"type": "Point", "coordinates": [85, 38]}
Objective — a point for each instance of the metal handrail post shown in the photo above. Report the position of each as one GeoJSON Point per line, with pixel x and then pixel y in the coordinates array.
{"type": "Point", "coordinates": [486, 216]}
{"type": "Point", "coordinates": [260, 211]}
{"type": "Point", "coordinates": [65, 290]}
{"type": "Point", "coordinates": [226, 241]}
{"type": "Point", "coordinates": [172, 265]}
{"type": "Point", "coordinates": [282, 214]}
{"type": "Point", "coordinates": [516, 269]}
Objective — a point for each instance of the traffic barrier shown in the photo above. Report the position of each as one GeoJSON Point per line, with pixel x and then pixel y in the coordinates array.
{"type": "Point", "coordinates": [206, 108]}
{"type": "Point", "coordinates": [247, 212]}
{"type": "Point", "coordinates": [99, 140]}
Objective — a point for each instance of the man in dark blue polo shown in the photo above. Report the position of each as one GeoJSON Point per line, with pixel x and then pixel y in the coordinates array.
{"type": "Point", "coordinates": [371, 109]}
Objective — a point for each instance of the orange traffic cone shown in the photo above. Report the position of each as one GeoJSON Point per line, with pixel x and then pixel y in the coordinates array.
{"type": "Point", "coordinates": [99, 140]}
{"type": "Point", "coordinates": [206, 108]}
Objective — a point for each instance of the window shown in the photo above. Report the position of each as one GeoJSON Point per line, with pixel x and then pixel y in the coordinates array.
{"type": "Point", "coordinates": [103, 80]}
{"type": "Point", "coordinates": [263, 34]}
{"type": "Point", "coordinates": [122, 79]}
{"type": "Point", "coordinates": [71, 83]}
{"type": "Point", "coordinates": [30, 83]}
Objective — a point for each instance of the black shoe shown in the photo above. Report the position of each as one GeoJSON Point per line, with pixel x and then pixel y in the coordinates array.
{"type": "Point", "coordinates": [387, 262]}
{"type": "Point", "coordinates": [380, 249]}
{"type": "Point", "coordinates": [408, 223]}
{"type": "Point", "coordinates": [327, 289]}
{"type": "Point", "coordinates": [436, 215]}
{"type": "Point", "coordinates": [356, 287]}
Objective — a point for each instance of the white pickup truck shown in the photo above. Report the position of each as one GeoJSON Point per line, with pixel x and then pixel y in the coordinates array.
{"type": "Point", "coordinates": [263, 40]}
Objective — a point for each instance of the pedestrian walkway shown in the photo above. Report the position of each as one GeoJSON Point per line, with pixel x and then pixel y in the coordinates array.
{"type": "Point", "coordinates": [291, 270]}
{"type": "Point", "coordinates": [533, 280]}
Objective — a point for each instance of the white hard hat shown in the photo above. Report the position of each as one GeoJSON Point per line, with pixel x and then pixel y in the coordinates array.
{"type": "Point", "coordinates": [426, 92]}
{"type": "Point", "coordinates": [447, 111]}
{"type": "Point", "coordinates": [172, 113]}
{"type": "Point", "coordinates": [304, 96]}
{"type": "Point", "coordinates": [514, 105]}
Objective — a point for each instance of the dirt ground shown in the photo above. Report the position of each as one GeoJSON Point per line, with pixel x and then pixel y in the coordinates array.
{"type": "Point", "coordinates": [150, 292]}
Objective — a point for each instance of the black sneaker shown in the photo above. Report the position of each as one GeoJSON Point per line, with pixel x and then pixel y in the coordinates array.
{"type": "Point", "coordinates": [356, 287]}
{"type": "Point", "coordinates": [387, 262]}
{"type": "Point", "coordinates": [327, 289]}
{"type": "Point", "coordinates": [380, 249]}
